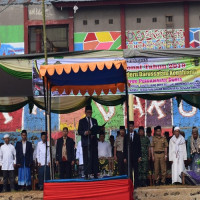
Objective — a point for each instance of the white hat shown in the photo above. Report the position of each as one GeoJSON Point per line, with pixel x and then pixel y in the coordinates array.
{"type": "Point", "coordinates": [6, 136]}
{"type": "Point", "coordinates": [176, 128]}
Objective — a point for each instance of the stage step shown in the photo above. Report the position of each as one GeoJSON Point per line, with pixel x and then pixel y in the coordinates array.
{"type": "Point", "coordinates": [168, 193]}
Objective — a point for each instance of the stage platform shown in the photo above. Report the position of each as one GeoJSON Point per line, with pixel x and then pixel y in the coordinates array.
{"type": "Point", "coordinates": [111, 188]}
{"type": "Point", "coordinates": [172, 192]}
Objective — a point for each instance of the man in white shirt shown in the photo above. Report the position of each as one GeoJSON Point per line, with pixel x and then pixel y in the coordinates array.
{"type": "Point", "coordinates": [8, 162]}
{"type": "Point", "coordinates": [177, 155]}
{"type": "Point", "coordinates": [79, 157]}
{"type": "Point", "coordinates": [149, 134]}
{"type": "Point", "coordinates": [104, 148]}
{"type": "Point", "coordinates": [41, 158]}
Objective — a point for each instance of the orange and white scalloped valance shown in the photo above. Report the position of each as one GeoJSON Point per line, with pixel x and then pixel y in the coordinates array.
{"type": "Point", "coordinates": [67, 68]}
{"type": "Point", "coordinates": [98, 77]}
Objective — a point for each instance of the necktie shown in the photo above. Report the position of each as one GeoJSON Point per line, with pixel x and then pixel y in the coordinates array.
{"type": "Point", "coordinates": [89, 124]}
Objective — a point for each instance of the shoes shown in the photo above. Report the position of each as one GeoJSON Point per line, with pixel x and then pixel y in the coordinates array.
{"type": "Point", "coordinates": [13, 190]}
{"type": "Point", "coordinates": [4, 190]}
{"type": "Point", "coordinates": [41, 188]}
{"type": "Point", "coordinates": [86, 177]}
{"type": "Point", "coordinates": [162, 183]}
{"type": "Point", "coordinates": [157, 184]}
{"type": "Point", "coordinates": [95, 176]}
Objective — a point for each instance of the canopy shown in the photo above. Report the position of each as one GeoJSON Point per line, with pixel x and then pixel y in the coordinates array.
{"type": "Point", "coordinates": [86, 77]}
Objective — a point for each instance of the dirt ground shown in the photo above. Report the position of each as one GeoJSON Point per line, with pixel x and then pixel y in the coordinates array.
{"type": "Point", "coordinates": [32, 195]}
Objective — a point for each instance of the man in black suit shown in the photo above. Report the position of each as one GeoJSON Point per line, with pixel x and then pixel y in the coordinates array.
{"type": "Point", "coordinates": [135, 152]}
{"type": "Point", "coordinates": [89, 143]}
{"type": "Point", "coordinates": [65, 154]}
{"type": "Point", "coordinates": [24, 160]}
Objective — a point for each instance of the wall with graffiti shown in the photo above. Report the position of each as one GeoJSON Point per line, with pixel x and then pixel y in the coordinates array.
{"type": "Point", "coordinates": [137, 39]}
{"type": "Point", "coordinates": [155, 39]}
{"type": "Point", "coordinates": [11, 40]}
{"type": "Point", "coordinates": [166, 113]}
{"type": "Point", "coordinates": [97, 41]}
{"type": "Point", "coordinates": [195, 37]}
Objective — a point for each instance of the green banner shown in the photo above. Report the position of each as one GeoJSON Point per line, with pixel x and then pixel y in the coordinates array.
{"type": "Point", "coordinates": [163, 75]}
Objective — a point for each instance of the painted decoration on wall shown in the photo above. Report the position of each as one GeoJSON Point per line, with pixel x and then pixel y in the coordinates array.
{"type": "Point", "coordinates": [166, 113]}
{"type": "Point", "coordinates": [155, 39]}
{"type": "Point", "coordinates": [11, 49]}
{"type": "Point", "coordinates": [11, 40]}
{"type": "Point", "coordinates": [11, 121]}
{"type": "Point", "coordinates": [97, 41]}
{"type": "Point", "coordinates": [36, 120]}
{"type": "Point", "coordinates": [195, 37]}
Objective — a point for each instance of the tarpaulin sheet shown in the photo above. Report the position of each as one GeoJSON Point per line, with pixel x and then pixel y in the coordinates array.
{"type": "Point", "coordinates": [106, 189]}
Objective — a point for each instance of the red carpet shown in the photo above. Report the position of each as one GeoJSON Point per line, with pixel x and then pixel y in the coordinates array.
{"type": "Point", "coordinates": [118, 189]}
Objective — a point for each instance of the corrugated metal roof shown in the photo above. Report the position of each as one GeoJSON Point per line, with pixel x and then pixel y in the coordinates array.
{"type": "Point", "coordinates": [11, 2]}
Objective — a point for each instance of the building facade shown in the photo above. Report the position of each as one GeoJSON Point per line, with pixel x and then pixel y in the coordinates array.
{"type": "Point", "coordinates": [100, 25]}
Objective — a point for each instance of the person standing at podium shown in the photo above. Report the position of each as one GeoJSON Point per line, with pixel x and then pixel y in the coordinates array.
{"type": "Point", "coordinates": [89, 143]}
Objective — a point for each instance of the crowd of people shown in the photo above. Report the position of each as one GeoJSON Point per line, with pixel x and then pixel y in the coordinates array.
{"type": "Point", "coordinates": [149, 152]}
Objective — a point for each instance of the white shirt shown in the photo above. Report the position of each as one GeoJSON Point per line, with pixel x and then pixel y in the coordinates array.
{"type": "Point", "coordinates": [41, 153]}
{"type": "Point", "coordinates": [24, 147]}
{"type": "Point", "coordinates": [132, 136]}
{"type": "Point", "coordinates": [91, 125]}
{"type": "Point", "coordinates": [104, 149]}
{"type": "Point", "coordinates": [79, 153]}
{"type": "Point", "coordinates": [150, 139]}
{"type": "Point", "coordinates": [7, 157]}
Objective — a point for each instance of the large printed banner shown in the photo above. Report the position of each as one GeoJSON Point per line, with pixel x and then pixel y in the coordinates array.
{"type": "Point", "coordinates": [163, 75]}
{"type": "Point", "coordinates": [145, 75]}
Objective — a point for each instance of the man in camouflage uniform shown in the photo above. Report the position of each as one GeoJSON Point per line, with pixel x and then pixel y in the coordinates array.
{"type": "Point", "coordinates": [143, 166]}
{"type": "Point", "coordinates": [159, 155]}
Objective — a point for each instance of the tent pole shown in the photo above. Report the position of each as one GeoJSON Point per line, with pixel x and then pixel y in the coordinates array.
{"type": "Point", "coordinates": [46, 118]}
{"type": "Point", "coordinates": [49, 134]}
{"type": "Point", "coordinates": [128, 132]}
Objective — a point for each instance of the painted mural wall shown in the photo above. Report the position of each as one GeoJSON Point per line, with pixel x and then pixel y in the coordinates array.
{"type": "Point", "coordinates": [166, 113]}
{"type": "Point", "coordinates": [155, 39]}
{"type": "Point", "coordinates": [195, 37]}
{"type": "Point", "coordinates": [11, 40]}
{"type": "Point", "coordinates": [97, 41]}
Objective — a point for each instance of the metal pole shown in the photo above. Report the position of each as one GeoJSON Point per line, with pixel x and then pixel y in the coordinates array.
{"type": "Point", "coordinates": [46, 128]}
{"type": "Point", "coordinates": [49, 133]}
{"type": "Point", "coordinates": [128, 132]}
{"type": "Point", "coordinates": [46, 62]}
{"type": "Point", "coordinates": [44, 33]}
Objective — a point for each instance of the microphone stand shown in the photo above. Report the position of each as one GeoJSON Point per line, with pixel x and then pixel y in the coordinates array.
{"type": "Point", "coordinates": [88, 165]}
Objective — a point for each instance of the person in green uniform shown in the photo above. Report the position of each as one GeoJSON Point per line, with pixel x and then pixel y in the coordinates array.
{"type": "Point", "coordinates": [144, 164]}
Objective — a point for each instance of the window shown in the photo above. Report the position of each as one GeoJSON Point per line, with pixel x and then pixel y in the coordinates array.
{"type": "Point", "coordinates": [96, 21]}
{"type": "Point", "coordinates": [84, 22]}
{"type": "Point", "coordinates": [138, 20]}
{"type": "Point", "coordinates": [110, 21]}
{"type": "Point", "coordinates": [57, 38]}
{"type": "Point", "coordinates": [154, 19]}
{"type": "Point", "coordinates": [169, 18]}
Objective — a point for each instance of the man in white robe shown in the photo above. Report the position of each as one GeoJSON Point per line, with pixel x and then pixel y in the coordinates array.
{"type": "Point", "coordinates": [8, 163]}
{"type": "Point", "coordinates": [177, 155]}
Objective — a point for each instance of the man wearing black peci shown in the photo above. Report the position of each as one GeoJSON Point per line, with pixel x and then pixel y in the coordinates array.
{"type": "Point", "coordinates": [65, 154]}
{"type": "Point", "coordinates": [89, 143]}
{"type": "Point", "coordinates": [135, 152]}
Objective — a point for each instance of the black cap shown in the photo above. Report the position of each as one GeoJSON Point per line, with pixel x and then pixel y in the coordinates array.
{"type": "Point", "coordinates": [122, 127]}
{"type": "Point", "coordinates": [131, 122]}
{"type": "Point", "coordinates": [88, 108]}
{"type": "Point", "coordinates": [43, 133]}
{"type": "Point", "coordinates": [148, 129]}
{"type": "Point", "coordinates": [101, 133]}
{"type": "Point", "coordinates": [157, 127]}
{"type": "Point", "coordinates": [24, 131]}
{"type": "Point", "coordinates": [141, 128]}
